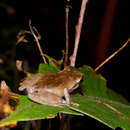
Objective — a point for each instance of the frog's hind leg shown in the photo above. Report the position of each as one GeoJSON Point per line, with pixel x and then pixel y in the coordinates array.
{"type": "Point", "coordinates": [46, 98]}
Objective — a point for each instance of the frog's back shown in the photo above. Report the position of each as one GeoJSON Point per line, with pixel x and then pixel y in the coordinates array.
{"type": "Point", "coordinates": [29, 81]}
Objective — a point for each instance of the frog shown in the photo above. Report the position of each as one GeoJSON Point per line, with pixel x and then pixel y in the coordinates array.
{"type": "Point", "coordinates": [52, 89]}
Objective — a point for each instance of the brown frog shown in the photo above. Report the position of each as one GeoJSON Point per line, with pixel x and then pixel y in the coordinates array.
{"type": "Point", "coordinates": [50, 88]}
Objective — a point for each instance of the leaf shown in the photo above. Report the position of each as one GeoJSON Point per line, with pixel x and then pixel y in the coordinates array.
{"type": "Point", "coordinates": [100, 103]}
{"type": "Point", "coordinates": [8, 100]}
{"type": "Point", "coordinates": [116, 97]}
{"type": "Point", "coordinates": [28, 110]}
{"type": "Point", "coordinates": [54, 62]}
{"type": "Point", "coordinates": [113, 114]}
{"type": "Point", "coordinates": [114, 105]}
{"type": "Point", "coordinates": [95, 85]}
{"type": "Point", "coordinates": [46, 68]}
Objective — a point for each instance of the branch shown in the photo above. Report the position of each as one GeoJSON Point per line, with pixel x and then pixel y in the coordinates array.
{"type": "Point", "coordinates": [78, 32]}
{"type": "Point", "coordinates": [67, 32]}
{"type": "Point", "coordinates": [111, 56]}
{"type": "Point", "coordinates": [37, 41]}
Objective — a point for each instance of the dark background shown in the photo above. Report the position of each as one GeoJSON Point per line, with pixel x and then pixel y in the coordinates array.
{"type": "Point", "coordinates": [49, 18]}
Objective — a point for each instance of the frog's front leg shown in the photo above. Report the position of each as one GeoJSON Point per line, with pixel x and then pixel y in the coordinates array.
{"type": "Point", "coordinates": [67, 98]}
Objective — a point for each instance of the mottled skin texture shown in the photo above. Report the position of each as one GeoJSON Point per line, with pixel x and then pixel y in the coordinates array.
{"type": "Point", "coordinates": [50, 88]}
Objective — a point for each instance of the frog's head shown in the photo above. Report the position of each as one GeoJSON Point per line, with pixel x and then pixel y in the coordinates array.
{"type": "Point", "coordinates": [74, 74]}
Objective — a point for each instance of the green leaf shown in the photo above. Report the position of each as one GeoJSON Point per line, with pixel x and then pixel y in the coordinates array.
{"type": "Point", "coordinates": [104, 105]}
{"type": "Point", "coordinates": [28, 110]}
{"type": "Point", "coordinates": [46, 68]}
{"type": "Point", "coordinates": [100, 103]}
{"type": "Point", "coordinates": [95, 85]}
{"type": "Point", "coordinates": [112, 95]}
{"type": "Point", "coordinates": [54, 62]}
{"type": "Point", "coordinates": [113, 114]}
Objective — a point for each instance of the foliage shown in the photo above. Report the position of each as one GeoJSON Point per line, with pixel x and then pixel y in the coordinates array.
{"type": "Point", "coordinates": [98, 102]}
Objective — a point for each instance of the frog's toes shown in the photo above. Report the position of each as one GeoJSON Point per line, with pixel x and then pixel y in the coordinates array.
{"type": "Point", "coordinates": [75, 104]}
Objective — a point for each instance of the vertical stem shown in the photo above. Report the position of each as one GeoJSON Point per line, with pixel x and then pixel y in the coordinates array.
{"type": "Point", "coordinates": [66, 32]}
{"type": "Point", "coordinates": [78, 32]}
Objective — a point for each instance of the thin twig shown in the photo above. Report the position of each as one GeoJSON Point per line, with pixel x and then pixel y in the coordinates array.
{"type": "Point", "coordinates": [21, 36]}
{"type": "Point", "coordinates": [37, 41]}
{"type": "Point", "coordinates": [78, 32]}
{"type": "Point", "coordinates": [67, 32]}
{"type": "Point", "coordinates": [111, 56]}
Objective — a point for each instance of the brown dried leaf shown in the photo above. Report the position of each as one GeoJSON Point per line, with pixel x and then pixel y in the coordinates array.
{"type": "Point", "coordinates": [8, 100]}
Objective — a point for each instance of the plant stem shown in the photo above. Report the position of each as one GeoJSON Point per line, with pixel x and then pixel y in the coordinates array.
{"type": "Point", "coordinates": [111, 56]}
{"type": "Point", "coordinates": [37, 41]}
{"type": "Point", "coordinates": [66, 32]}
{"type": "Point", "coordinates": [78, 32]}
